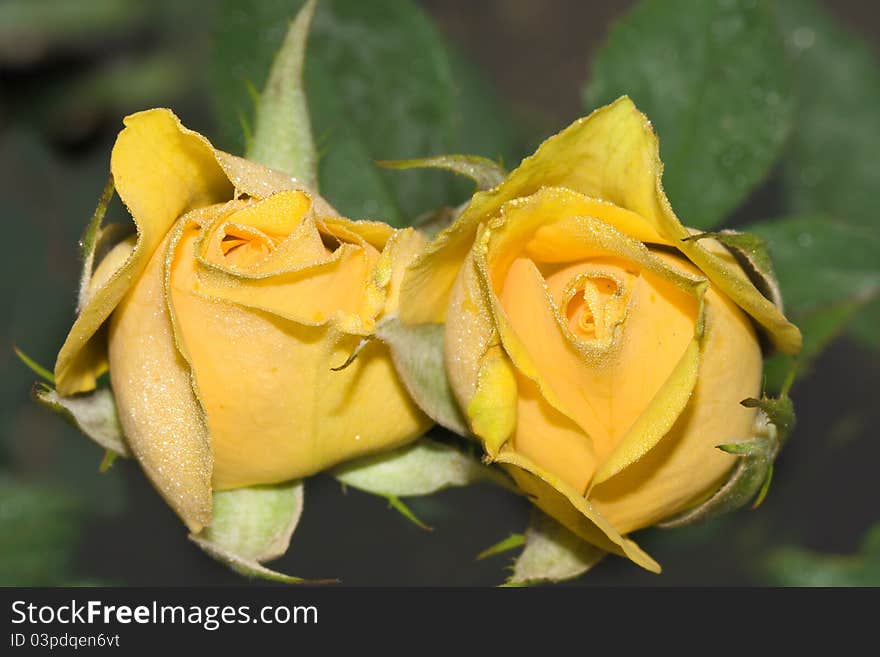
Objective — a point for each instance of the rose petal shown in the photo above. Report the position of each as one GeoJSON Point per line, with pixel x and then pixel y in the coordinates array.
{"type": "Point", "coordinates": [161, 418]}
{"type": "Point", "coordinates": [160, 170]}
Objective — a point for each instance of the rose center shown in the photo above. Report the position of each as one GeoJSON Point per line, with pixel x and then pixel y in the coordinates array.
{"type": "Point", "coordinates": [243, 246]}
{"type": "Point", "coordinates": [594, 304]}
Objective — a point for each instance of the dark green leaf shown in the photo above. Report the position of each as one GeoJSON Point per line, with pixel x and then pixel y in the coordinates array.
{"type": "Point", "coordinates": [40, 529]}
{"type": "Point", "coordinates": [713, 78]}
{"type": "Point", "coordinates": [282, 137]}
{"type": "Point", "coordinates": [799, 567]}
{"type": "Point", "coordinates": [380, 86]}
{"type": "Point", "coordinates": [831, 164]}
{"type": "Point", "coordinates": [827, 270]}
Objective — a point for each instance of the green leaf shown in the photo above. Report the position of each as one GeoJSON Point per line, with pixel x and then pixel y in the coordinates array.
{"type": "Point", "coordinates": [485, 173]}
{"type": "Point", "coordinates": [282, 136]}
{"type": "Point", "coordinates": [552, 553]}
{"type": "Point", "coordinates": [714, 80]}
{"type": "Point", "coordinates": [380, 85]}
{"type": "Point", "coordinates": [253, 525]}
{"type": "Point", "coordinates": [831, 163]}
{"type": "Point", "coordinates": [821, 261]}
{"type": "Point", "coordinates": [40, 532]}
{"type": "Point", "coordinates": [93, 413]}
{"type": "Point", "coordinates": [417, 352]}
{"type": "Point", "coordinates": [421, 468]}
{"type": "Point", "coordinates": [827, 271]}
{"type": "Point", "coordinates": [820, 327]}
{"type": "Point", "coordinates": [798, 567]}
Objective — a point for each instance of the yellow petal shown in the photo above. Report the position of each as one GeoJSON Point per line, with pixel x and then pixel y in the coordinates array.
{"type": "Point", "coordinates": [492, 409]}
{"type": "Point", "coordinates": [604, 385]}
{"type": "Point", "coordinates": [258, 181]}
{"type": "Point", "coordinates": [560, 501]}
{"type": "Point", "coordinates": [275, 409]}
{"type": "Point", "coordinates": [300, 280]}
{"type": "Point", "coordinates": [469, 332]}
{"type": "Point", "coordinates": [604, 155]}
{"type": "Point", "coordinates": [160, 170]}
{"type": "Point", "coordinates": [721, 268]}
{"type": "Point", "coordinates": [612, 154]}
{"type": "Point", "coordinates": [159, 413]}
{"type": "Point", "coordinates": [550, 439]}
{"type": "Point", "coordinates": [685, 465]}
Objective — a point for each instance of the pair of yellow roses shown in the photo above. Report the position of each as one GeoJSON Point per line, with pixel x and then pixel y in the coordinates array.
{"type": "Point", "coordinates": [594, 352]}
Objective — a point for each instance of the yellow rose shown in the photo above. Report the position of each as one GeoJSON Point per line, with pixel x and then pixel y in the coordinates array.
{"type": "Point", "coordinates": [221, 318]}
{"type": "Point", "coordinates": [596, 354]}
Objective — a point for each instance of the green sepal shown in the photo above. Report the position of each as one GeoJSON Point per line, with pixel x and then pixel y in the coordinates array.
{"type": "Point", "coordinates": [400, 506]}
{"type": "Point", "coordinates": [433, 222]}
{"type": "Point", "coordinates": [417, 352]}
{"type": "Point", "coordinates": [253, 525]}
{"type": "Point", "coordinates": [510, 543]}
{"type": "Point", "coordinates": [420, 468]}
{"type": "Point", "coordinates": [282, 137]}
{"type": "Point", "coordinates": [751, 477]}
{"type": "Point", "coordinates": [250, 568]}
{"type": "Point", "coordinates": [88, 243]}
{"type": "Point", "coordinates": [93, 413]}
{"type": "Point", "coordinates": [485, 173]}
{"type": "Point", "coordinates": [779, 410]}
{"type": "Point", "coordinates": [552, 553]}
{"type": "Point", "coordinates": [34, 366]}
{"type": "Point", "coordinates": [750, 251]}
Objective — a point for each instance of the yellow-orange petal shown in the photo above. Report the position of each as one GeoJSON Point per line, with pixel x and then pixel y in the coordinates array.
{"type": "Point", "coordinates": [158, 410]}
{"type": "Point", "coordinates": [160, 170]}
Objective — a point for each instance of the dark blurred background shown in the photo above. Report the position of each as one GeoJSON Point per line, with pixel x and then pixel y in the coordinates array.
{"type": "Point", "coordinates": [69, 71]}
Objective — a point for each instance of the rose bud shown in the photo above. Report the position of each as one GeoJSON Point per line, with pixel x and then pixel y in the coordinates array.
{"type": "Point", "coordinates": [222, 319]}
{"type": "Point", "coordinates": [598, 352]}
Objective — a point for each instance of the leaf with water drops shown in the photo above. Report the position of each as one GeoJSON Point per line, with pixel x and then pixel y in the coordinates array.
{"type": "Point", "coordinates": [830, 165]}
{"type": "Point", "coordinates": [380, 85]}
{"type": "Point", "coordinates": [713, 78]}
{"type": "Point", "coordinates": [828, 273]}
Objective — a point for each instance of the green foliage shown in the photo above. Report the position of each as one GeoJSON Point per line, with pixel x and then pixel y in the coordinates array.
{"type": "Point", "coordinates": [830, 166]}
{"type": "Point", "coordinates": [827, 270]}
{"type": "Point", "coordinates": [713, 79]}
{"type": "Point", "coordinates": [282, 137]}
{"type": "Point", "coordinates": [40, 529]}
{"type": "Point", "coordinates": [380, 85]}
{"type": "Point", "coordinates": [798, 567]}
